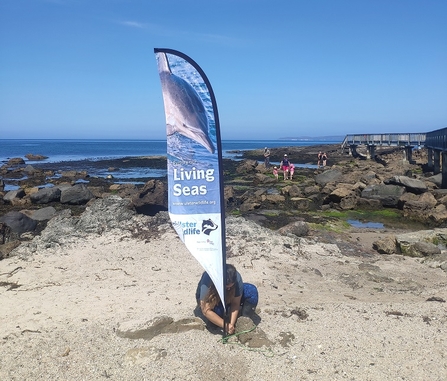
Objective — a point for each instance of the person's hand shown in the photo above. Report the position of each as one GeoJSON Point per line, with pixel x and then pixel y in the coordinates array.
{"type": "Point", "coordinates": [230, 328]}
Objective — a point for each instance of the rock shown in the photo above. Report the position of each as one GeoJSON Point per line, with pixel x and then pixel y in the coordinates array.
{"type": "Point", "coordinates": [421, 243]}
{"type": "Point", "coordinates": [43, 214]}
{"type": "Point", "coordinates": [105, 214]}
{"type": "Point", "coordinates": [16, 161]}
{"type": "Point", "coordinates": [438, 214]}
{"type": "Point", "coordinates": [416, 205]}
{"type": "Point", "coordinates": [229, 195]}
{"type": "Point", "coordinates": [328, 176]}
{"type": "Point", "coordinates": [311, 190]}
{"type": "Point", "coordinates": [368, 178]}
{"type": "Point", "coordinates": [386, 245]}
{"type": "Point", "coordinates": [436, 179]}
{"type": "Point", "coordinates": [341, 192]}
{"type": "Point", "coordinates": [247, 166]}
{"type": "Point", "coordinates": [301, 203]}
{"type": "Point", "coordinates": [76, 195]}
{"type": "Point", "coordinates": [14, 194]}
{"type": "Point", "coordinates": [420, 249]}
{"type": "Point", "coordinates": [298, 228]}
{"type": "Point", "coordinates": [250, 335]}
{"type": "Point", "coordinates": [388, 195]}
{"type": "Point", "coordinates": [349, 202]}
{"type": "Point", "coordinates": [6, 234]}
{"type": "Point", "coordinates": [249, 205]}
{"type": "Point", "coordinates": [33, 157]}
{"type": "Point", "coordinates": [411, 185]}
{"type": "Point", "coordinates": [74, 174]}
{"type": "Point", "coordinates": [7, 248]}
{"type": "Point", "coordinates": [260, 178]}
{"type": "Point", "coordinates": [29, 170]}
{"type": "Point", "coordinates": [294, 191]}
{"type": "Point", "coordinates": [152, 198]}
{"type": "Point", "coordinates": [273, 198]}
{"type": "Point", "coordinates": [18, 222]}
{"type": "Point", "coordinates": [46, 195]}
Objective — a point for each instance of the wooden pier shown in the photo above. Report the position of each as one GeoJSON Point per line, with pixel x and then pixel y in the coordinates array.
{"type": "Point", "coordinates": [406, 140]}
{"type": "Point", "coordinates": [435, 142]}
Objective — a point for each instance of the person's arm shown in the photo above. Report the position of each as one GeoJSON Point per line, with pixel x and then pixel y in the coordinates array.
{"type": "Point", "coordinates": [211, 315]}
{"type": "Point", "coordinates": [234, 311]}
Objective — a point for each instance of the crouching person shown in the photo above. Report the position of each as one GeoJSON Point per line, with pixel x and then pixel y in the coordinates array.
{"type": "Point", "coordinates": [241, 299]}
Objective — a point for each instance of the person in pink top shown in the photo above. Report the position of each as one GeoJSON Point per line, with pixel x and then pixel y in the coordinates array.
{"type": "Point", "coordinates": [291, 170]}
{"type": "Point", "coordinates": [285, 166]}
{"type": "Point", "coordinates": [275, 173]}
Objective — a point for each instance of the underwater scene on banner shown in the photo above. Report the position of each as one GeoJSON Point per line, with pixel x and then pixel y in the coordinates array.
{"type": "Point", "coordinates": [192, 152]}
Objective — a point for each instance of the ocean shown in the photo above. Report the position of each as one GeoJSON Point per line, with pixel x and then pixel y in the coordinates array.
{"type": "Point", "coordinates": [93, 150]}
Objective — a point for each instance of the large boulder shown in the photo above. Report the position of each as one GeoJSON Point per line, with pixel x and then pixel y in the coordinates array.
{"type": "Point", "coordinates": [436, 179]}
{"type": "Point", "coordinates": [18, 222]}
{"type": "Point", "coordinates": [423, 202]}
{"type": "Point", "coordinates": [261, 178]}
{"type": "Point", "coordinates": [386, 245]}
{"type": "Point", "coordinates": [14, 194]}
{"type": "Point", "coordinates": [411, 185]}
{"type": "Point", "coordinates": [422, 243]}
{"type": "Point", "coordinates": [247, 166]}
{"type": "Point", "coordinates": [33, 157]}
{"type": "Point", "coordinates": [328, 176]}
{"type": "Point", "coordinates": [152, 198]}
{"type": "Point", "coordinates": [46, 195]}
{"type": "Point", "coordinates": [16, 161]}
{"type": "Point", "coordinates": [298, 228]}
{"type": "Point", "coordinates": [388, 195]}
{"type": "Point", "coordinates": [43, 214]}
{"type": "Point", "coordinates": [78, 194]}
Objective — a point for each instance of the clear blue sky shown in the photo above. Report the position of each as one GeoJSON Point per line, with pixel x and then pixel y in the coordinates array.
{"type": "Point", "coordinates": [86, 68]}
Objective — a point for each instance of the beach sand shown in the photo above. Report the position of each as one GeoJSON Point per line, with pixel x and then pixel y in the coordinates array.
{"type": "Point", "coordinates": [328, 315]}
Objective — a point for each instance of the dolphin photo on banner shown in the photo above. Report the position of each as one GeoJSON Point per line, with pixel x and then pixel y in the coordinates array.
{"type": "Point", "coordinates": [194, 153]}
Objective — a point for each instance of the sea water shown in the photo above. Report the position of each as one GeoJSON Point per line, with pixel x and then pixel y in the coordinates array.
{"type": "Point", "coordinates": [58, 150]}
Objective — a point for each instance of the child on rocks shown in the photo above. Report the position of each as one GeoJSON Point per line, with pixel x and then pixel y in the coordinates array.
{"type": "Point", "coordinates": [275, 173]}
{"type": "Point", "coordinates": [291, 171]}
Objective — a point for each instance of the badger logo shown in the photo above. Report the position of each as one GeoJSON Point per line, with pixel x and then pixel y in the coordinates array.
{"type": "Point", "coordinates": [208, 226]}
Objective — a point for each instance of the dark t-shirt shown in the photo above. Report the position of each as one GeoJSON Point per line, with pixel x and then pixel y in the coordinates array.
{"type": "Point", "coordinates": [205, 283]}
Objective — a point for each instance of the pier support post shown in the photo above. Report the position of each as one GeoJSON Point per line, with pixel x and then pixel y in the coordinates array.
{"type": "Point", "coordinates": [371, 151]}
{"type": "Point", "coordinates": [437, 161]}
{"type": "Point", "coordinates": [408, 153]}
{"type": "Point", "coordinates": [430, 158]}
{"type": "Point", "coordinates": [353, 150]}
{"type": "Point", "coordinates": [444, 170]}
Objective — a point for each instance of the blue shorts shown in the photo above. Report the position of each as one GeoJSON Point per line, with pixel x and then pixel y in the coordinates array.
{"type": "Point", "coordinates": [250, 295]}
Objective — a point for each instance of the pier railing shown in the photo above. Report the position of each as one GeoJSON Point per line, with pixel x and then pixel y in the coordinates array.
{"type": "Point", "coordinates": [399, 139]}
{"type": "Point", "coordinates": [437, 139]}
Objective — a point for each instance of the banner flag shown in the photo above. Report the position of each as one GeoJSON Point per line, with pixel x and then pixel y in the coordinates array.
{"type": "Point", "coordinates": [195, 180]}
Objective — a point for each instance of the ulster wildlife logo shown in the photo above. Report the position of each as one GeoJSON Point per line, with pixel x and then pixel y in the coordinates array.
{"type": "Point", "coordinates": [208, 226]}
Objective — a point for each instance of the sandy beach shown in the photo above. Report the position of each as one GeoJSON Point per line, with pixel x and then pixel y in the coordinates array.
{"type": "Point", "coordinates": [323, 314]}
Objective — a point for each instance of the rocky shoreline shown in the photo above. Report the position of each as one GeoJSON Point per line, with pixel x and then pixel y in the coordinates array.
{"type": "Point", "coordinates": [387, 190]}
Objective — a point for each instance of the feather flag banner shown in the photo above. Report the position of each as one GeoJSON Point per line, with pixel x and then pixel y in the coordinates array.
{"type": "Point", "coordinates": [195, 181]}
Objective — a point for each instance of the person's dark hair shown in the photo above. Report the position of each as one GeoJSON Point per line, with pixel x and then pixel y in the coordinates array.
{"type": "Point", "coordinates": [231, 274]}
{"type": "Point", "coordinates": [212, 296]}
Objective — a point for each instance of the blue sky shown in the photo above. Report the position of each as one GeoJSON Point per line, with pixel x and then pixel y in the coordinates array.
{"type": "Point", "coordinates": [86, 68]}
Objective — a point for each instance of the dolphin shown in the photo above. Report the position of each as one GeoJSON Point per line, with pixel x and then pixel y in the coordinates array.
{"type": "Point", "coordinates": [185, 112]}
